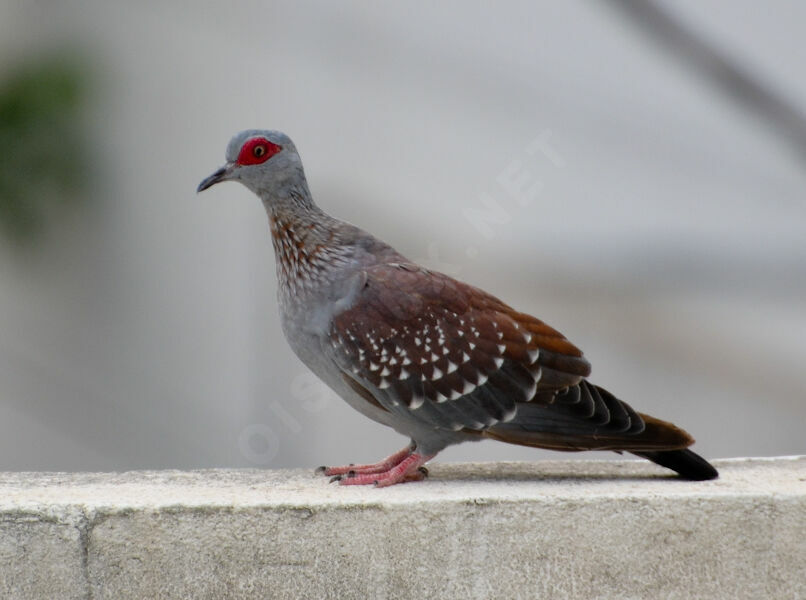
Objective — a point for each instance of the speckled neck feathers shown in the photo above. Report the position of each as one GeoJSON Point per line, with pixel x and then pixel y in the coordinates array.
{"type": "Point", "coordinates": [306, 240]}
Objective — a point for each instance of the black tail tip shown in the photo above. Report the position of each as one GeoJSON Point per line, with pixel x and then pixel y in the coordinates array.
{"type": "Point", "coordinates": [688, 464]}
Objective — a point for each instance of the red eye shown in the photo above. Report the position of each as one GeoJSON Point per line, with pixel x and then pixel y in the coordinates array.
{"type": "Point", "coordinates": [257, 150]}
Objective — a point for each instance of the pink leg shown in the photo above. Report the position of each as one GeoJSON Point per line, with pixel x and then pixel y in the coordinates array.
{"type": "Point", "coordinates": [386, 464]}
{"type": "Point", "coordinates": [409, 469]}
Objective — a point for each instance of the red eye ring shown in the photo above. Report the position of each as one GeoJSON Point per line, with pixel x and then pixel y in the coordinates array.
{"type": "Point", "coordinates": [256, 151]}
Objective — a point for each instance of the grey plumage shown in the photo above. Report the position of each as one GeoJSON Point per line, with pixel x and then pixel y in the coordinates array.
{"type": "Point", "coordinates": [435, 359]}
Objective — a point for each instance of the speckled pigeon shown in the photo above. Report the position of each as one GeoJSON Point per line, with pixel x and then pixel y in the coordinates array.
{"type": "Point", "coordinates": [435, 359]}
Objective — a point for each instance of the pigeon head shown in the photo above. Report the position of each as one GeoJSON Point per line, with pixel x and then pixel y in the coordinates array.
{"type": "Point", "coordinates": [264, 161]}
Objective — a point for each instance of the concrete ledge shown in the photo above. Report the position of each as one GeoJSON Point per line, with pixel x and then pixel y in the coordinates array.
{"type": "Point", "coordinates": [495, 530]}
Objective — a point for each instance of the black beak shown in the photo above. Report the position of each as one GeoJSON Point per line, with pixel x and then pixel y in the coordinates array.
{"type": "Point", "coordinates": [213, 179]}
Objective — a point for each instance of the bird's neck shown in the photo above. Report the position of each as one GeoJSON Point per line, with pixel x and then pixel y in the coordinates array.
{"type": "Point", "coordinates": [308, 244]}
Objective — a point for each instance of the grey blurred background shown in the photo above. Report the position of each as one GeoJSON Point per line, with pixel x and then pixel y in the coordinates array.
{"type": "Point", "coordinates": [636, 178]}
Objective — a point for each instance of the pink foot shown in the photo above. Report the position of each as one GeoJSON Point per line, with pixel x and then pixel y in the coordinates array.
{"type": "Point", "coordinates": [409, 469]}
{"type": "Point", "coordinates": [380, 467]}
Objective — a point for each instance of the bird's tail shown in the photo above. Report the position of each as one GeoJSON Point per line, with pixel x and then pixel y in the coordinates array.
{"type": "Point", "coordinates": [591, 418]}
{"type": "Point", "coordinates": [688, 464]}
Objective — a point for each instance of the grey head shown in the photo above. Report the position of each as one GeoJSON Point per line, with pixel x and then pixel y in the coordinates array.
{"type": "Point", "coordinates": [264, 161]}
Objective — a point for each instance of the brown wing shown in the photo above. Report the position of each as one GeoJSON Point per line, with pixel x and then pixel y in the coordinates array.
{"type": "Point", "coordinates": [448, 353]}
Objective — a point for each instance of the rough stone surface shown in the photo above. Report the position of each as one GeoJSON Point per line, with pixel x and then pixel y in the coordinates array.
{"type": "Point", "coordinates": [494, 530]}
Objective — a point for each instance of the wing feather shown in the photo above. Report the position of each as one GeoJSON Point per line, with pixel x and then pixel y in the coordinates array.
{"type": "Point", "coordinates": [450, 354]}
